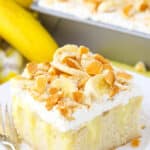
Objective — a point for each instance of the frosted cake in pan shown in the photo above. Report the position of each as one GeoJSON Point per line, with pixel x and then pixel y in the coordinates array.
{"type": "Point", "coordinates": [130, 14]}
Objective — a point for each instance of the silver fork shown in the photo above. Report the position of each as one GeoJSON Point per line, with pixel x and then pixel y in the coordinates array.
{"type": "Point", "coordinates": [8, 133]}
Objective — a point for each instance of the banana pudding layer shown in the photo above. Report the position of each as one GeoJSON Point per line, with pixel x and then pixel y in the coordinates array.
{"type": "Point", "coordinates": [134, 15]}
{"type": "Point", "coordinates": [77, 96]}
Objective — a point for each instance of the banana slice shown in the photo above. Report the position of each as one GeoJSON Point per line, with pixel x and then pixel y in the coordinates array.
{"type": "Point", "coordinates": [69, 70]}
{"type": "Point", "coordinates": [86, 60]}
{"type": "Point", "coordinates": [96, 87]}
{"type": "Point", "coordinates": [67, 85]}
{"type": "Point", "coordinates": [68, 50]}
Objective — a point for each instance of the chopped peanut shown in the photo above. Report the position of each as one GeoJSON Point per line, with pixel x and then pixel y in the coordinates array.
{"type": "Point", "coordinates": [94, 68]}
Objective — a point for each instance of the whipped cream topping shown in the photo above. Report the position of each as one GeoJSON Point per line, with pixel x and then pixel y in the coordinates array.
{"type": "Point", "coordinates": [131, 15]}
{"type": "Point", "coordinates": [81, 116]}
{"type": "Point", "coordinates": [74, 88]}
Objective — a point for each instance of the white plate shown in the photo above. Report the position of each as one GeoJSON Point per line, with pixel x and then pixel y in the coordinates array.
{"type": "Point", "coordinates": [142, 81]}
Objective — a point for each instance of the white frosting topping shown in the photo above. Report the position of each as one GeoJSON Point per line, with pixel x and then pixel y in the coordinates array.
{"type": "Point", "coordinates": [139, 22]}
{"type": "Point", "coordinates": [81, 115]}
{"type": "Point", "coordinates": [56, 95]}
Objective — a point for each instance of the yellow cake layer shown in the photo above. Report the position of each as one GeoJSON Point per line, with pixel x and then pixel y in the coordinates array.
{"type": "Point", "coordinates": [104, 132]}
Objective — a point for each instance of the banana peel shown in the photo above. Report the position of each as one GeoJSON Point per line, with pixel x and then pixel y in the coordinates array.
{"type": "Point", "coordinates": [24, 3]}
{"type": "Point", "coordinates": [20, 29]}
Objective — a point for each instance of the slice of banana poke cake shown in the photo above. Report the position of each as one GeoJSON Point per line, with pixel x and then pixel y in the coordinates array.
{"type": "Point", "coordinates": [79, 101]}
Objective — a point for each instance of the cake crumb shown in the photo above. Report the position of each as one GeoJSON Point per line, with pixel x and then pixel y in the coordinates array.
{"type": "Point", "coordinates": [135, 142]}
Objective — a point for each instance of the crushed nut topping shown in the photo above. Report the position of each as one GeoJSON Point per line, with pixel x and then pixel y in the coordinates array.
{"type": "Point", "coordinates": [82, 82]}
{"type": "Point", "coordinates": [101, 59]}
{"type": "Point", "coordinates": [94, 68]}
{"type": "Point", "coordinates": [32, 68]}
{"type": "Point", "coordinates": [108, 67]}
{"type": "Point", "coordinates": [53, 90]}
{"type": "Point", "coordinates": [64, 89]}
{"type": "Point", "coordinates": [71, 63]}
{"type": "Point", "coordinates": [78, 96]}
{"type": "Point", "coordinates": [110, 78]}
{"type": "Point", "coordinates": [41, 83]}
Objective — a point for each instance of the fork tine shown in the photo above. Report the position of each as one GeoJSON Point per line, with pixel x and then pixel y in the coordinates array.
{"type": "Point", "coordinates": [11, 127]}
{"type": "Point", "coordinates": [2, 114]}
{"type": "Point", "coordinates": [1, 125]}
{"type": "Point", "coordinates": [7, 123]}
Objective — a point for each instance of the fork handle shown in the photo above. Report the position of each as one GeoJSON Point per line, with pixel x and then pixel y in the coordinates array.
{"type": "Point", "coordinates": [8, 145]}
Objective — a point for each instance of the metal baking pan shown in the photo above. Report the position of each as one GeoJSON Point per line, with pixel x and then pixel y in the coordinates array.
{"type": "Point", "coordinates": [113, 42]}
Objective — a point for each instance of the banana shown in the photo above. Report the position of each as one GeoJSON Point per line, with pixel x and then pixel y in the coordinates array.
{"type": "Point", "coordinates": [69, 70]}
{"type": "Point", "coordinates": [67, 51]}
{"type": "Point", "coordinates": [67, 85]}
{"type": "Point", "coordinates": [96, 87]}
{"type": "Point", "coordinates": [19, 28]}
{"type": "Point", "coordinates": [24, 3]}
